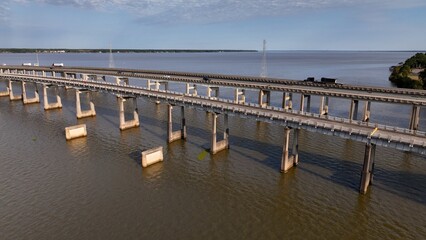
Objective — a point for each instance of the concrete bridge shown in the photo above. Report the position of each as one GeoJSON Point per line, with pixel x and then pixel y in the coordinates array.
{"type": "Point", "coordinates": [84, 80]}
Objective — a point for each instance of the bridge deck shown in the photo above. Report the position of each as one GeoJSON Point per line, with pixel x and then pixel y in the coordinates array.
{"type": "Point", "coordinates": [402, 139]}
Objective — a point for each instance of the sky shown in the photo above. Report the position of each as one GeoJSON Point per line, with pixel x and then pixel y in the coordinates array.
{"type": "Point", "coordinates": [214, 24]}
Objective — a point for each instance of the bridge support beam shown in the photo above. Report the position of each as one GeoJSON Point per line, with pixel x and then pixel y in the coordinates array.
{"type": "Point", "coordinates": [323, 109]}
{"type": "Point", "coordinates": [267, 101]}
{"type": "Point", "coordinates": [287, 101]}
{"type": "Point", "coordinates": [25, 99]}
{"type": "Point", "coordinates": [368, 167]}
{"type": "Point", "coordinates": [367, 111]}
{"type": "Point", "coordinates": [353, 112]}
{"type": "Point", "coordinates": [12, 97]}
{"type": "Point", "coordinates": [122, 81]}
{"type": "Point", "coordinates": [415, 117]}
{"type": "Point", "coordinates": [179, 134]}
{"type": "Point", "coordinates": [6, 92]}
{"type": "Point", "coordinates": [221, 145]}
{"type": "Point", "coordinates": [302, 103]}
{"type": "Point", "coordinates": [288, 161]}
{"type": "Point", "coordinates": [191, 89]}
{"type": "Point", "coordinates": [87, 113]}
{"type": "Point", "coordinates": [130, 123]}
{"type": "Point", "coordinates": [47, 105]}
{"type": "Point", "coordinates": [213, 89]}
{"type": "Point", "coordinates": [239, 96]}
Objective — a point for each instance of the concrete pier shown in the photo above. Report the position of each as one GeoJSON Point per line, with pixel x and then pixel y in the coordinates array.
{"type": "Point", "coordinates": [152, 156]}
{"type": "Point", "coordinates": [353, 112]}
{"type": "Point", "coordinates": [191, 89]}
{"type": "Point", "coordinates": [6, 92]}
{"type": "Point", "coordinates": [75, 131]}
{"type": "Point", "coordinates": [25, 99]}
{"type": "Point", "coordinates": [287, 101]}
{"type": "Point", "coordinates": [302, 103]}
{"type": "Point", "coordinates": [215, 90]}
{"type": "Point", "coordinates": [415, 117]}
{"type": "Point", "coordinates": [47, 105]}
{"type": "Point", "coordinates": [264, 102]}
{"type": "Point", "coordinates": [12, 97]}
{"type": "Point", "coordinates": [239, 96]}
{"type": "Point", "coordinates": [368, 167]}
{"type": "Point", "coordinates": [179, 134]}
{"type": "Point", "coordinates": [323, 109]}
{"type": "Point", "coordinates": [86, 113]}
{"type": "Point", "coordinates": [288, 161]}
{"type": "Point", "coordinates": [129, 123]}
{"type": "Point", "coordinates": [221, 145]}
{"type": "Point", "coordinates": [367, 111]}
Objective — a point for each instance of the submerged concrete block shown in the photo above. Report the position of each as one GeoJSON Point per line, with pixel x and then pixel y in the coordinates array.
{"type": "Point", "coordinates": [152, 156]}
{"type": "Point", "coordinates": [75, 131]}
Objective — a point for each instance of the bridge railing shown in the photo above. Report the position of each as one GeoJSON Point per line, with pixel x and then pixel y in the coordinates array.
{"type": "Point", "coordinates": [216, 101]}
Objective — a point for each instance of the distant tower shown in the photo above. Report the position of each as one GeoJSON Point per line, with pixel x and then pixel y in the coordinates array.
{"type": "Point", "coordinates": [111, 59]}
{"type": "Point", "coordinates": [264, 71]}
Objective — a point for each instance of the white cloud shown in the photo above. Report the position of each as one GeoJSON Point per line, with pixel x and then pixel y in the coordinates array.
{"type": "Point", "coordinates": [217, 10]}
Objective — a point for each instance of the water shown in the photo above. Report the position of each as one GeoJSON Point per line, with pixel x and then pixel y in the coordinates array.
{"type": "Point", "coordinates": [94, 187]}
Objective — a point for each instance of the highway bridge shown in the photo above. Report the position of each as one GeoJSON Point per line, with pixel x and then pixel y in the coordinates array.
{"type": "Point", "coordinates": [372, 134]}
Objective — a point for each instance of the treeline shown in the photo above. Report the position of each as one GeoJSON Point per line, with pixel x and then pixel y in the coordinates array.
{"type": "Point", "coordinates": [405, 75]}
{"type": "Point", "coordinates": [58, 50]}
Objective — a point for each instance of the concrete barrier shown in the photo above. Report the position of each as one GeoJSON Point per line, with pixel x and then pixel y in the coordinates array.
{"type": "Point", "coordinates": [152, 156]}
{"type": "Point", "coordinates": [75, 131]}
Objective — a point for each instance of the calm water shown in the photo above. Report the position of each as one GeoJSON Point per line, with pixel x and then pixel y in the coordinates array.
{"type": "Point", "coordinates": [94, 188]}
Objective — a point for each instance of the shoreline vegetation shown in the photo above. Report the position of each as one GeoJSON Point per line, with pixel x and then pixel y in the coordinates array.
{"type": "Point", "coordinates": [62, 50]}
{"type": "Point", "coordinates": [411, 73]}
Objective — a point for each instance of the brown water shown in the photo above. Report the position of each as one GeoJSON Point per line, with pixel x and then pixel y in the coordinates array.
{"type": "Point", "coordinates": [95, 188]}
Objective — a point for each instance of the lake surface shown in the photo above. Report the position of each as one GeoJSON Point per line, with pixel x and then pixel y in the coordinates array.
{"type": "Point", "coordinates": [95, 187]}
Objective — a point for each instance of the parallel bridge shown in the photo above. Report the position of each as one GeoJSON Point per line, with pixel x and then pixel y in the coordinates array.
{"type": "Point", "coordinates": [371, 134]}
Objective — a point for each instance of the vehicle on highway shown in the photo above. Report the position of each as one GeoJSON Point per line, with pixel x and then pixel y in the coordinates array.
{"type": "Point", "coordinates": [205, 78]}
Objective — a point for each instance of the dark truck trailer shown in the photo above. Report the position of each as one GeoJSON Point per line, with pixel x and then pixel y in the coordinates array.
{"type": "Point", "coordinates": [328, 80]}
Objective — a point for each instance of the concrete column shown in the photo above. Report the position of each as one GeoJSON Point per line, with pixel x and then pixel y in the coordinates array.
{"type": "Point", "coordinates": [43, 73]}
{"type": "Point", "coordinates": [295, 150]}
{"type": "Point", "coordinates": [268, 98]}
{"type": "Point", "coordinates": [323, 109]}
{"type": "Point", "coordinates": [367, 169]}
{"type": "Point", "coordinates": [215, 90]}
{"type": "Point", "coordinates": [122, 81]}
{"type": "Point", "coordinates": [47, 105]}
{"type": "Point", "coordinates": [87, 113]}
{"type": "Point", "coordinates": [415, 117]}
{"type": "Point", "coordinates": [353, 112]}
{"type": "Point", "coordinates": [179, 134]}
{"type": "Point", "coordinates": [129, 123]}
{"type": "Point", "coordinates": [287, 101]}
{"type": "Point", "coordinates": [192, 89]}
{"type": "Point", "coordinates": [53, 74]}
{"type": "Point", "coordinates": [287, 161]}
{"type": "Point", "coordinates": [302, 103]}
{"type": "Point", "coordinates": [367, 111]}
{"type": "Point", "coordinates": [237, 94]}
{"type": "Point", "coordinates": [25, 100]}
{"type": "Point", "coordinates": [221, 145]}
{"type": "Point", "coordinates": [308, 103]}
{"type": "Point", "coordinates": [11, 96]}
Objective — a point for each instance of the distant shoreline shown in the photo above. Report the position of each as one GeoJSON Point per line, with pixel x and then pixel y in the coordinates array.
{"type": "Point", "coordinates": [64, 50]}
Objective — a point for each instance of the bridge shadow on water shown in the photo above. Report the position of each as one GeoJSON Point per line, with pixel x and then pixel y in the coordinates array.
{"type": "Point", "coordinates": [402, 183]}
